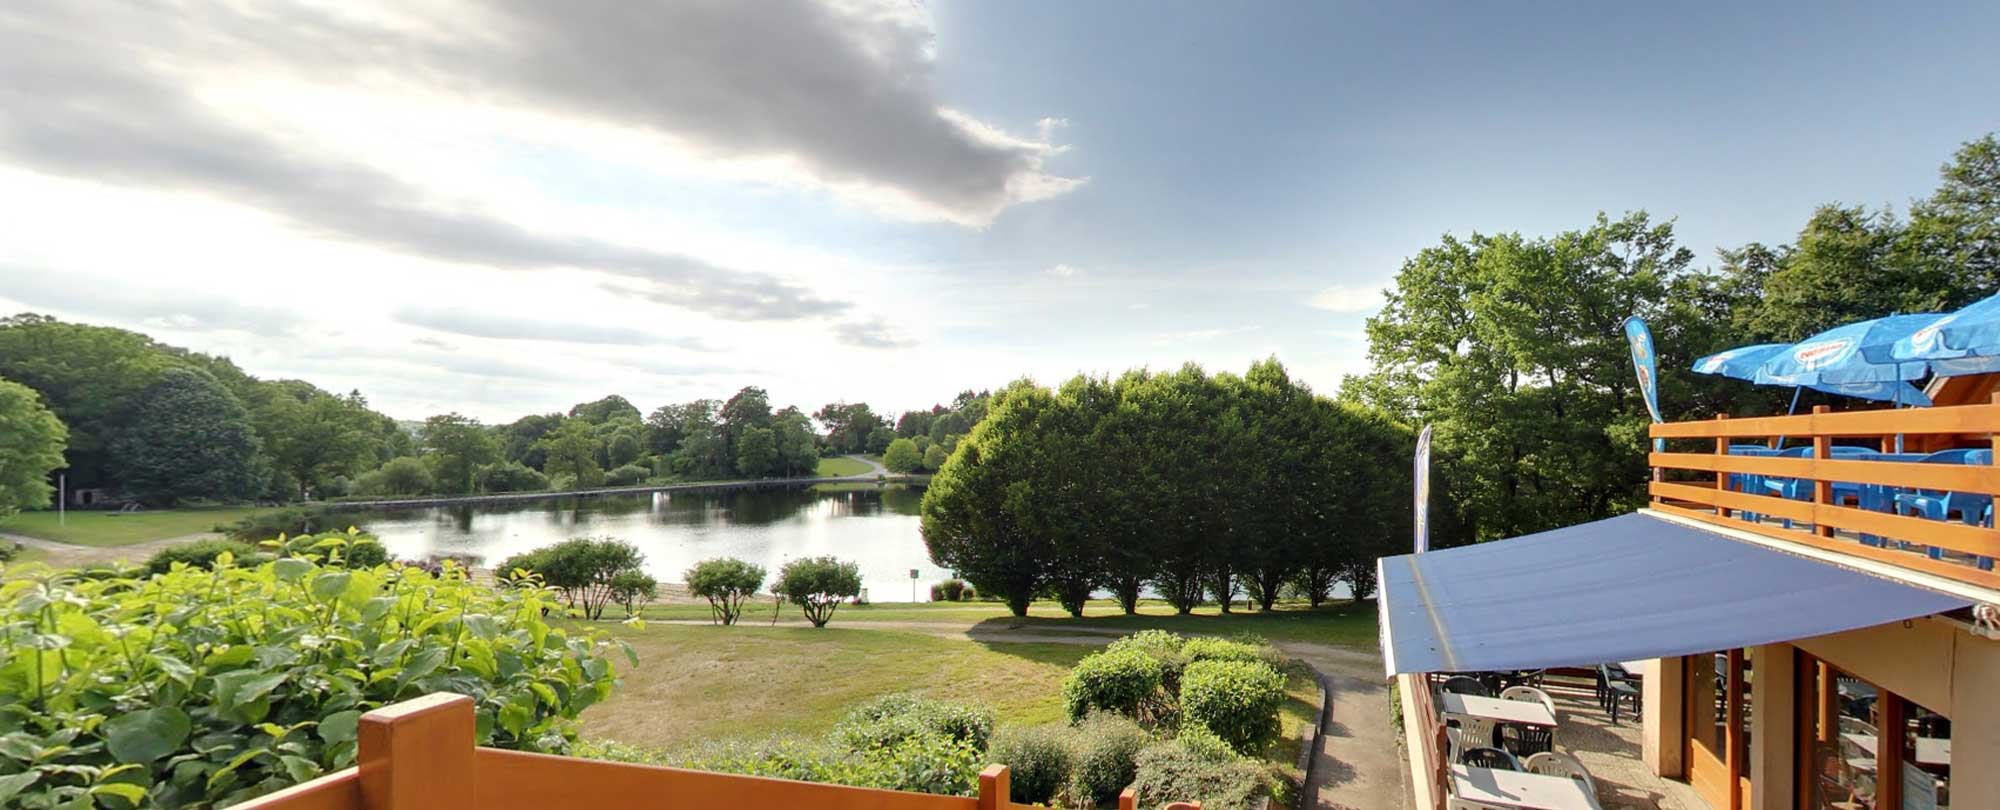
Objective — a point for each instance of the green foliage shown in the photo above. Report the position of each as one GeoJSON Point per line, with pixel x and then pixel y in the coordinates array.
{"type": "Point", "coordinates": [633, 589]}
{"type": "Point", "coordinates": [725, 582]}
{"type": "Point", "coordinates": [630, 475]}
{"type": "Point", "coordinates": [818, 585]}
{"type": "Point", "coordinates": [1187, 769]}
{"type": "Point", "coordinates": [1237, 700]}
{"type": "Point", "coordinates": [921, 764]}
{"type": "Point", "coordinates": [891, 719]}
{"type": "Point", "coordinates": [1038, 760]}
{"type": "Point", "coordinates": [902, 456]}
{"type": "Point", "coordinates": [458, 446]}
{"type": "Point", "coordinates": [581, 569]}
{"type": "Point", "coordinates": [571, 450]}
{"type": "Point", "coordinates": [613, 408]}
{"type": "Point", "coordinates": [848, 426]}
{"type": "Point", "coordinates": [950, 590]}
{"type": "Point", "coordinates": [1161, 646]}
{"type": "Point", "coordinates": [187, 436]}
{"type": "Point", "coordinates": [31, 447]}
{"type": "Point", "coordinates": [364, 552]}
{"type": "Point", "coordinates": [198, 688]}
{"type": "Point", "coordinates": [756, 452]}
{"type": "Point", "coordinates": [934, 457]}
{"type": "Point", "coordinates": [199, 554]}
{"type": "Point", "coordinates": [510, 476]}
{"type": "Point", "coordinates": [1203, 648]}
{"type": "Point", "coordinates": [401, 477]}
{"type": "Point", "coordinates": [292, 521]}
{"type": "Point", "coordinates": [1125, 681]}
{"type": "Point", "coordinates": [1104, 755]}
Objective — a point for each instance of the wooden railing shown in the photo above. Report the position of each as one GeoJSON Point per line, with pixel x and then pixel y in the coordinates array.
{"type": "Point", "coordinates": [419, 755]}
{"type": "Point", "coordinates": [1692, 479]}
{"type": "Point", "coordinates": [1436, 754]}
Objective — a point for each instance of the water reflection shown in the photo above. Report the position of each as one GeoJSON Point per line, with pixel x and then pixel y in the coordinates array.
{"type": "Point", "coordinates": [876, 527]}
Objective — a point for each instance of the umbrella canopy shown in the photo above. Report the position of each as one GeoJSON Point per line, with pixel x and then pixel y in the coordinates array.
{"type": "Point", "coordinates": [1742, 363]}
{"type": "Point", "coordinates": [1964, 342]}
{"type": "Point", "coordinates": [1859, 352]}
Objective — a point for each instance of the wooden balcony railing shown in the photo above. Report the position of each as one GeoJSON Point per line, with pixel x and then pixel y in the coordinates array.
{"type": "Point", "coordinates": [419, 755]}
{"type": "Point", "coordinates": [1845, 505]}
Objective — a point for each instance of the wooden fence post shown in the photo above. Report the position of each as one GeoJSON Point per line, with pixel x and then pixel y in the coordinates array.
{"type": "Point", "coordinates": [994, 787]}
{"type": "Point", "coordinates": [1721, 477]}
{"type": "Point", "coordinates": [1128, 799]}
{"type": "Point", "coordinates": [418, 754]}
{"type": "Point", "coordinates": [1822, 488]}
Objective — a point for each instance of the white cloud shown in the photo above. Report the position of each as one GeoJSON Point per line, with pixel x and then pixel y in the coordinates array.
{"type": "Point", "coordinates": [1346, 298]}
{"type": "Point", "coordinates": [1063, 271]}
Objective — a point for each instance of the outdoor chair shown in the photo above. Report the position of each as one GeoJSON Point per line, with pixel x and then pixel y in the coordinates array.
{"type": "Point", "coordinates": [1851, 725]}
{"type": "Point", "coordinates": [1468, 804]}
{"type": "Point", "coordinates": [1472, 732]}
{"type": "Point", "coordinates": [1489, 758]}
{"type": "Point", "coordinates": [1465, 685]}
{"type": "Point", "coordinates": [1612, 690]}
{"type": "Point", "coordinates": [1554, 763]}
{"type": "Point", "coordinates": [1524, 740]}
{"type": "Point", "coordinates": [1529, 694]}
{"type": "Point", "coordinates": [1971, 508]}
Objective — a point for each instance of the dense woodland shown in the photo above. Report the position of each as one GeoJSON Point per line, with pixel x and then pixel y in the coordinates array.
{"type": "Point", "coordinates": [162, 425]}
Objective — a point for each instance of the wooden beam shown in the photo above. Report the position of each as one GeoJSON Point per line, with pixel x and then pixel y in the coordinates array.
{"type": "Point", "coordinates": [1978, 478]}
{"type": "Point", "coordinates": [1902, 559]}
{"type": "Point", "coordinates": [340, 790]}
{"type": "Point", "coordinates": [517, 780]}
{"type": "Point", "coordinates": [418, 754]}
{"type": "Point", "coordinates": [1976, 419]}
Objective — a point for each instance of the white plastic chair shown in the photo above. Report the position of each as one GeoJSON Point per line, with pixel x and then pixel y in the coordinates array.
{"type": "Point", "coordinates": [1849, 725]}
{"type": "Point", "coordinates": [1468, 804]}
{"type": "Point", "coordinates": [1529, 694]}
{"type": "Point", "coordinates": [1472, 732]}
{"type": "Point", "coordinates": [1556, 763]}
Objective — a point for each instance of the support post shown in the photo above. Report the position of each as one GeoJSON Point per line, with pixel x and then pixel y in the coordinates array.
{"type": "Point", "coordinates": [1773, 727]}
{"type": "Point", "coordinates": [994, 788]}
{"type": "Point", "coordinates": [418, 754]}
{"type": "Point", "coordinates": [1722, 478]}
{"type": "Point", "coordinates": [1822, 488]}
{"type": "Point", "coordinates": [1128, 799]}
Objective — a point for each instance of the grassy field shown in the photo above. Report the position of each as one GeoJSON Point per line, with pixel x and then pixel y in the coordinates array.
{"type": "Point", "coordinates": [121, 529]}
{"type": "Point", "coordinates": [840, 466]}
{"type": "Point", "coordinates": [1339, 623]}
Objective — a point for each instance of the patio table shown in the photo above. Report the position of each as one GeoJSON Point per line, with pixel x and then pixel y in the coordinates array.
{"type": "Point", "coordinates": [1930, 750]}
{"type": "Point", "coordinates": [1528, 791]}
{"type": "Point", "coordinates": [1527, 713]}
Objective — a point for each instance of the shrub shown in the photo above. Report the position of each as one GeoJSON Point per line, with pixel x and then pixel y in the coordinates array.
{"type": "Point", "coordinates": [1104, 755]}
{"type": "Point", "coordinates": [902, 456]}
{"type": "Point", "coordinates": [581, 568]}
{"type": "Point", "coordinates": [1166, 648]}
{"type": "Point", "coordinates": [1237, 700]}
{"type": "Point", "coordinates": [212, 687]}
{"type": "Point", "coordinates": [629, 475]}
{"type": "Point", "coordinates": [437, 565]}
{"type": "Point", "coordinates": [291, 521]}
{"type": "Point", "coordinates": [950, 590]}
{"type": "Point", "coordinates": [8, 551]}
{"type": "Point", "coordinates": [1038, 759]}
{"type": "Point", "coordinates": [1125, 681]}
{"type": "Point", "coordinates": [725, 582]}
{"type": "Point", "coordinates": [1175, 771]}
{"type": "Point", "coordinates": [633, 588]}
{"type": "Point", "coordinates": [1215, 649]}
{"type": "Point", "coordinates": [198, 554]}
{"type": "Point", "coordinates": [400, 476]}
{"type": "Point", "coordinates": [510, 476]}
{"type": "Point", "coordinates": [817, 584]}
{"type": "Point", "coordinates": [887, 721]}
{"type": "Point", "coordinates": [923, 764]}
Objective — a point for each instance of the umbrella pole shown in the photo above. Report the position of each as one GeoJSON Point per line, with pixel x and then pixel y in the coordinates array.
{"type": "Point", "coordinates": [1791, 410]}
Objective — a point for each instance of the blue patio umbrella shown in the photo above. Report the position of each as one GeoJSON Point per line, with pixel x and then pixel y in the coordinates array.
{"type": "Point", "coordinates": [1743, 362]}
{"type": "Point", "coordinates": [1963, 342]}
{"type": "Point", "coordinates": [1854, 354]}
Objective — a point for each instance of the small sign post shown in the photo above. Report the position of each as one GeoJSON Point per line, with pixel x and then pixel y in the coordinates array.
{"type": "Point", "coordinates": [1421, 476]}
{"type": "Point", "coordinates": [913, 584]}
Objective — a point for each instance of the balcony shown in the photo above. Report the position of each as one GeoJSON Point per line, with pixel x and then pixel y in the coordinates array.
{"type": "Point", "coordinates": [1911, 488]}
{"type": "Point", "coordinates": [419, 755]}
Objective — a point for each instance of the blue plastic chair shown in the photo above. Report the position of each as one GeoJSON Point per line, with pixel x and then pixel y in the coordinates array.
{"type": "Point", "coordinates": [1749, 482]}
{"type": "Point", "coordinates": [1868, 496]}
{"type": "Point", "coordinates": [1973, 509]}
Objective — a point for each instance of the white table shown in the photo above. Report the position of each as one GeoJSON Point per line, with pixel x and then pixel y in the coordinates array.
{"type": "Point", "coordinates": [1523, 712]}
{"type": "Point", "coordinates": [1930, 750]}
{"type": "Point", "coordinates": [1529, 791]}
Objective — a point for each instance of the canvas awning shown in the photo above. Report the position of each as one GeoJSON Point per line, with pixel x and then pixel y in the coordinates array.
{"type": "Point", "coordinates": [1630, 587]}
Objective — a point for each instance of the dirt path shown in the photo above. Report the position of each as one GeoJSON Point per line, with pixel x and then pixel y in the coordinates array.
{"type": "Point", "coordinates": [69, 554]}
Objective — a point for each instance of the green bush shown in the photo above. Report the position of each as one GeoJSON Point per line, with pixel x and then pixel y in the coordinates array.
{"type": "Point", "coordinates": [399, 477]}
{"type": "Point", "coordinates": [581, 568]}
{"type": "Point", "coordinates": [291, 521]}
{"type": "Point", "coordinates": [817, 585]}
{"type": "Point", "coordinates": [1162, 646]}
{"type": "Point", "coordinates": [888, 720]}
{"type": "Point", "coordinates": [951, 590]}
{"type": "Point", "coordinates": [629, 475]}
{"type": "Point", "coordinates": [1104, 755]}
{"type": "Point", "coordinates": [8, 551]}
{"type": "Point", "coordinates": [211, 687]}
{"type": "Point", "coordinates": [1237, 700]}
{"type": "Point", "coordinates": [725, 582]}
{"type": "Point", "coordinates": [1215, 649]}
{"type": "Point", "coordinates": [510, 476]}
{"type": "Point", "coordinates": [1038, 759]}
{"type": "Point", "coordinates": [199, 554]}
{"type": "Point", "coordinates": [1174, 771]}
{"type": "Point", "coordinates": [632, 589]}
{"type": "Point", "coordinates": [1125, 681]}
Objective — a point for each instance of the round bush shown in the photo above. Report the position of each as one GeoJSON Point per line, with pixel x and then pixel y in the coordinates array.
{"type": "Point", "coordinates": [629, 475]}
{"type": "Point", "coordinates": [1038, 760]}
{"type": "Point", "coordinates": [1237, 700]}
{"type": "Point", "coordinates": [1114, 680]}
{"type": "Point", "coordinates": [1104, 756]}
{"type": "Point", "coordinates": [1174, 772]}
{"type": "Point", "coordinates": [365, 552]}
{"type": "Point", "coordinates": [888, 720]}
{"type": "Point", "coordinates": [510, 476]}
{"type": "Point", "coordinates": [1215, 649]}
{"type": "Point", "coordinates": [199, 554]}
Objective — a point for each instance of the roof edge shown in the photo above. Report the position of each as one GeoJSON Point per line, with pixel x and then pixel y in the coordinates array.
{"type": "Point", "coordinates": [1880, 570]}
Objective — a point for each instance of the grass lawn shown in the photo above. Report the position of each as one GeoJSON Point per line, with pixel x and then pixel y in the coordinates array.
{"type": "Point", "coordinates": [695, 684]}
{"type": "Point", "coordinates": [1340, 623]}
{"type": "Point", "coordinates": [121, 529]}
{"type": "Point", "coordinates": [840, 466]}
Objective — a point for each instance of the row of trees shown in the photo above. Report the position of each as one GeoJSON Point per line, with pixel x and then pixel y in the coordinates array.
{"type": "Point", "coordinates": [1510, 345]}
{"type": "Point", "coordinates": [1192, 484]}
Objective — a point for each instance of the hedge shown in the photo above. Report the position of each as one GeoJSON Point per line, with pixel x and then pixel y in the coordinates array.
{"type": "Point", "coordinates": [1038, 760]}
{"type": "Point", "coordinates": [1114, 680]}
{"type": "Point", "coordinates": [1237, 700]}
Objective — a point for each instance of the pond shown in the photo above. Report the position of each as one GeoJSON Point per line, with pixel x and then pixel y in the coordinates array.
{"type": "Point", "coordinates": [874, 526]}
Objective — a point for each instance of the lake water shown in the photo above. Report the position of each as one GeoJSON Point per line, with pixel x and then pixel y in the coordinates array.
{"type": "Point", "coordinates": [876, 527]}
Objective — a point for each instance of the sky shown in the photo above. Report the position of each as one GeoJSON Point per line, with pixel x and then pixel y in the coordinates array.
{"type": "Point", "coordinates": [500, 207]}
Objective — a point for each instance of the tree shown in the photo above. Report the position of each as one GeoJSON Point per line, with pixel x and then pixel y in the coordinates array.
{"type": "Point", "coordinates": [186, 436]}
{"type": "Point", "coordinates": [571, 450]}
{"type": "Point", "coordinates": [88, 376]}
{"type": "Point", "coordinates": [632, 589]}
{"type": "Point", "coordinates": [510, 476]}
{"type": "Point", "coordinates": [749, 409]}
{"type": "Point", "coordinates": [725, 582]}
{"type": "Point", "coordinates": [669, 425]}
{"type": "Point", "coordinates": [31, 447]}
{"type": "Point", "coordinates": [978, 511]}
{"type": "Point", "coordinates": [613, 408]}
{"type": "Point", "coordinates": [848, 426]}
{"type": "Point", "coordinates": [400, 476]}
{"type": "Point", "coordinates": [879, 439]}
{"type": "Point", "coordinates": [756, 452]}
{"type": "Point", "coordinates": [624, 447]}
{"type": "Point", "coordinates": [934, 457]}
{"type": "Point", "coordinates": [521, 438]}
{"type": "Point", "coordinates": [582, 568]}
{"type": "Point", "coordinates": [798, 449]}
{"type": "Point", "coordinates": [314, 436]}
{"type": "Point", "coordinates": [459, 446]}
{"type": "Point", "coordinates": [1955, 234]}
{"type": "Point", "coordinates": [902, 456]}
{"type": "Point", "coordinates": [817, 585]}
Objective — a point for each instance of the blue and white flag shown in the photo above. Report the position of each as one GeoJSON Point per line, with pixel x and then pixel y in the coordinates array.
{"type": "Point", "coordinates": [1644, 363]}
{"type": "Point", "coordinates": [1422, 478]}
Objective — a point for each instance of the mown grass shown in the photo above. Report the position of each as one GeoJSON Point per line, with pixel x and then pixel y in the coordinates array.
{"type": "Point", "coordinates": [840, 467]}
{"type": "Point", "coordinates": [104, 529]}
{"type": "Point", "coordinates": [1339, 623]}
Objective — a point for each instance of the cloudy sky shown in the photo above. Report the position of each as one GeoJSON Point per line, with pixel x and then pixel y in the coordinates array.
{"type": "Point", "coordinates": [506, 206]}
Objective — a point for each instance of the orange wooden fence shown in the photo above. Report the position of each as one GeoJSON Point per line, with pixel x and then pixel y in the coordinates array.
{"type": "Point", "coordinates": [419, 755]}
{"type": "Point", "coordinates": [1691, 480]}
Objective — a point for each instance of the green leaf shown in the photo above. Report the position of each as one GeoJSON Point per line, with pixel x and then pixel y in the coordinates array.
{"type": "Point", "coordinates": [124, 790]}
{"type": "Point", "coordinates": [245, 686]}
{"type": "Point", "coordinates": [11, 785]}
{"type": "Point", "coordinates": [147, 735]}
{"type": "Point", "coordinates": [328, 587]}
{"type": "Point", "coordinates": [339, 726]}
{"type": "Point", "coordinates": [292, 569]}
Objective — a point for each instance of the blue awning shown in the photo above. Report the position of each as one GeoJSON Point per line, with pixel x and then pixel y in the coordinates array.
{"type": "Point", "coordinates": [1631, 587]}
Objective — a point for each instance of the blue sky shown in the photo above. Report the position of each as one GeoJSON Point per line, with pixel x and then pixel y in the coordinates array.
{"type": "Point", "coordinates": [890, 203]}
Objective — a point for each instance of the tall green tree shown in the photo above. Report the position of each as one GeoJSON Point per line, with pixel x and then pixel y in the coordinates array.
{"type": "Point", "coordinates": [88, 375]}
{"type": "Point", "coordinates": [31, 447]}
{"type": "Point", "coordinates": [187, 436]}
{"type": "Point", "coordinates": [757, 452]}
{"type": "Point", "coordinates": [313, 436]}
{"type": "Point", "coordinates": [978, 513]}
{"type": "Point", "coordinates": [798, 448]}
{"type": "Point", "coordinates": [613, 408]}
{"type": "Point", "coordinates": [458, 446]}
{"type": "Point", "coordinates": [572, 450]}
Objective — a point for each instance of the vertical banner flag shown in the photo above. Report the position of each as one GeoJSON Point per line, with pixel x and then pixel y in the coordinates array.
{"type": "Point", "coordinates": [1422, 477]}
{"type": "Point", "coordinates": [1647, 366]}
